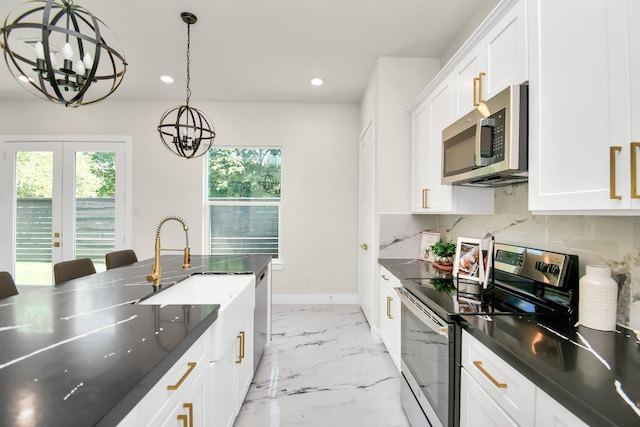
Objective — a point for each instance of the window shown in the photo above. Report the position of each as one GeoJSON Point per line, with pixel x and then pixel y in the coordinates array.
{"type": "Point", "coordinates": [243, 200]}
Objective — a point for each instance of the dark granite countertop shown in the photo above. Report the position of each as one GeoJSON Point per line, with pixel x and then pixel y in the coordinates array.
{"type": "Point", "coordinates": [83, 354]}
{"type": "Point", "coordinates": [594, 374]}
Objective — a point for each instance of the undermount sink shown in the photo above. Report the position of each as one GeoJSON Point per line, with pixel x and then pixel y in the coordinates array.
{"type": "Point", "coordinates": [235, 293]}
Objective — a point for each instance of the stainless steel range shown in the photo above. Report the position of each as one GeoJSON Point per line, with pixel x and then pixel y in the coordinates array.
{"type": "Point", "coordinates": [525, 281]}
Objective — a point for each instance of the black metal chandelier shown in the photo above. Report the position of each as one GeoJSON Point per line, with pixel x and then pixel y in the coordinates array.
{"type": "Point", "coordinates": [39, 35]}
{"type": "Point", "coordinates": [184, 130]}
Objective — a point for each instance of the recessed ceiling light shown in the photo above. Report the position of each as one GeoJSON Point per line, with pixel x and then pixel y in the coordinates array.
{"type": "Point", "coordinates": [166, 79]}
{"type": "Point", "coordinates": [317, 81]}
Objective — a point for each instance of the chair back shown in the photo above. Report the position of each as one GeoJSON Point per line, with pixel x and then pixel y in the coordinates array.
{"type": "Point", "coordinates": [7, 285]}
{"type": "Point", "coordinates": [120, 258]}
{"type": "Point", "coordinates": [67, 270]}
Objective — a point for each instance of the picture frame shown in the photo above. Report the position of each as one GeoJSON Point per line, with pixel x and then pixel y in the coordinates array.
{"type": "Point", "coordinates": [426, 240]}
{"type": "Point", "coordinates": [473, 259]}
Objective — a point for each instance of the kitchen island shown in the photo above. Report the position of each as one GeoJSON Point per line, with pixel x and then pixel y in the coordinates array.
{"type": "Point", "coordinates": [593, 374]}
{"type": "Point", "coordinates": [83, 353]}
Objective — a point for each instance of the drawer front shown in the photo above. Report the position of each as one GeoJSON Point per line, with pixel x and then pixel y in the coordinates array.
{"type": "Point", "coordinates": [167, 392]}
{"type": "Point", "coordinates": [389, 280]}
{"type": "Point", "coordinates": [511, 390]}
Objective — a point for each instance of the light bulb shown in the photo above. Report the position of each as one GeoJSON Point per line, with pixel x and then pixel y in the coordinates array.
{"type": "Point", "coordinates": [67, 52]}
{"type": "Point", "coordinates": [79, 67]}
{"type": "Point", "coordinates": [87, 60]}
{"type": "Point", "coordinates": [39, 50]}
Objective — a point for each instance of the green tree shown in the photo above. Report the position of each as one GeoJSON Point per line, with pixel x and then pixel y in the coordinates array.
{"type": "Point", "coordinates": [244, 173]}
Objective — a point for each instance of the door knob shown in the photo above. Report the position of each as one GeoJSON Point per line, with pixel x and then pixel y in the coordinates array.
{"type": "Point", "coordinates": [364, 246]}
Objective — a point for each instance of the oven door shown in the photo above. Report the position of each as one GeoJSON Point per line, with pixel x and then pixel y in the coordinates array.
{"type": "Point", "coordinates": [428, 359]}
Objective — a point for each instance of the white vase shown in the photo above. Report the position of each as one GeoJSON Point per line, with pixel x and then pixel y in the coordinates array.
{"type": "Point", "coordinates": [598, 299]}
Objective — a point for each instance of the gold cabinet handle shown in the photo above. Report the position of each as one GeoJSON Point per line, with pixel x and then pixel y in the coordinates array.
{"type": "Point", "coordinates": [475, 91]}
{"type": "Point", "coordinates": [364, 246]}
{"type": "Point", "coordinates": [425, 198]}
{"type": "Point", "coordinates": [187, 418]}
{"type": "Point", "coordinates": [612, 172]}
{"type": "Point", "coordinates": [184, 377]}
{"type": "Point", "coordinates": [634, 170]}
{"type": "Point", "coordinates": [389, 299]}
{"type": "Point", "coordinates": [480, 76]}
{"type": "Point", "coordinates": [478, 364]}
{"type": "Point", "coordinates": [241, 356]}
{"type": "Point", "coordinates": [384, 277]}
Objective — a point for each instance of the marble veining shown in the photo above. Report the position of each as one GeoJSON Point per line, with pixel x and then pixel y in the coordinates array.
{"type": "Point", "coordinates": [323, 368]}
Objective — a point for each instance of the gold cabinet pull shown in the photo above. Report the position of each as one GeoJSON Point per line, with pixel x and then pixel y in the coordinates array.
{"type": "Point", "coordinates": [241, 356]}
{"type": "Point", "coordinates": [612, 172]}
{"type": "Point", "coordinates": [364, 246]}
{"type": "Point", "coordinates": [187, 418]}
{"type": "Point", "coordinates": [389, 299]}
{"type": "Point", "coordinates": [634, 170]}
{"type": "Point", "coordinates": [384, 277]}
{"type": "Point", "coordinates": [184, 420]}
{"type": "Point", "coordinates": [478, 364]}
{"type": "Point", "coordinates": [475, 91]}
{"type": "Point", "coordinates": [184, 377]}
{"type": "Point", "coordinates": [425, 198]}
{"type": "Point", "coordinates": [480, 87]}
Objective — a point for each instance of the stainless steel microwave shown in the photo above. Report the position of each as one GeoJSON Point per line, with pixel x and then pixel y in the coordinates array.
{"type": "Point", "coordinates": [488, 147]}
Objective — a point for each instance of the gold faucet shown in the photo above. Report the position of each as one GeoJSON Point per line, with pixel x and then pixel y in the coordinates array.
{"type": "Point", "coordinates": [156, 271]}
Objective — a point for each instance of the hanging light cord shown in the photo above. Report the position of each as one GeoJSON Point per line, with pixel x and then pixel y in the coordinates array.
{"type": "Point", "coordinates": [188, 62]}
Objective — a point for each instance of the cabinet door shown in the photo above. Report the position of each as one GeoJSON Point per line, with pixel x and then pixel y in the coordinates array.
{"type": "Point", "coordinates": [477, 408]}
{"type": "Point", "coordinates": [419, 158]}
{"type": "Point", "coordinates": [504, 52]}
{"type": "Point", "coordinates": [387, 319]}
{"type": "Point", "coordinates": [579, 105]}
{"type": "Point", "coordinates": [551, 413]}
{"type": "Point", "coordinates": [466, 83]}
{"type": "Point", "coordinates": [193, 408]}
{"type": "Point", "coordinates": [243, 364]}
{"type": "Point", "coordinates": [222, 399]}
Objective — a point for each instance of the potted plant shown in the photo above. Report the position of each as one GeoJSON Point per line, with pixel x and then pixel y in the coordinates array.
{"type": "Point", "coordinates": [444, 252]}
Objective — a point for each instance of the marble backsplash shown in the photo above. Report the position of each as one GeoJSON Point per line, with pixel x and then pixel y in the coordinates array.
{"type": "Point", "coordinates": [605, 240]}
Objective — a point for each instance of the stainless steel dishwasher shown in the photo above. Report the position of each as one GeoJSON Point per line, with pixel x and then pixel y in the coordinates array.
{"type": "Point", "coordinates": [261, 316]}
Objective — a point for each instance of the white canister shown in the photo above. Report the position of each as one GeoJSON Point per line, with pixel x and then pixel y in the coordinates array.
{"type": "Point", "coordinates": [598, 300]}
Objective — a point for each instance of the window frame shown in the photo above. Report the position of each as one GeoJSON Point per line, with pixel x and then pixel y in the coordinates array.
{"type": "Point", "coordinates": [239, 202]}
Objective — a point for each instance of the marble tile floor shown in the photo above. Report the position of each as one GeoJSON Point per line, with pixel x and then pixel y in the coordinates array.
{"type": "Point", "coordinates": [323, 369]}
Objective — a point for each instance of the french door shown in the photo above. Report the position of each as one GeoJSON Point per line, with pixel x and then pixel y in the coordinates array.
{"type": "Point", "coordinates": [61, 200]}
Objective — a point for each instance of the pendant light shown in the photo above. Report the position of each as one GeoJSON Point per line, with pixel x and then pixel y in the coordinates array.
{"type": "Point", "coordinates": [184, 130]}
{"type": "Point", "coordinates": [59, 51]}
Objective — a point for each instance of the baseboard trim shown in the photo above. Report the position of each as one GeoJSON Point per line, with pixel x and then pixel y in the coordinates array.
{"type": "Point", "coordinates": [314, 298]}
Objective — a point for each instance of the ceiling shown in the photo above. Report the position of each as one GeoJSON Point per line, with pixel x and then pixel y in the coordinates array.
{"type": "Point", "coordinates": [267, 50]}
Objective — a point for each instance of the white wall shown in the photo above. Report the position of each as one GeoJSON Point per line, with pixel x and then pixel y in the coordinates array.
{"type": "Point", "coordinates": [319, 177]}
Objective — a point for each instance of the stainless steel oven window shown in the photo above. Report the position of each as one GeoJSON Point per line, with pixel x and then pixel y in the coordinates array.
{"type": "Point", "coordinates": [425, 353]}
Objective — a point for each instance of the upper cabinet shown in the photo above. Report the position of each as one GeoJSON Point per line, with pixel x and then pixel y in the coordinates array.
{"type": "Point", "coordinates": [584, 102]}
{"type": "Point", "coordinates": [498, 59]}
{"type": "Point", "coordinates": [492, 59]}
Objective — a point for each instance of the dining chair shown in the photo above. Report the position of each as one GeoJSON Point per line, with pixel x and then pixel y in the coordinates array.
{"type": "Point", "coordinates": [7, 285]}
{"type": "Point", "coordinates": [120, 258]}
{"type": "Point", "coordinates": [67, 270]}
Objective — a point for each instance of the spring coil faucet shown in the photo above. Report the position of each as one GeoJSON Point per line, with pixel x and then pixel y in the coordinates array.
{"type": "Point", "coordinates": [156, 271]}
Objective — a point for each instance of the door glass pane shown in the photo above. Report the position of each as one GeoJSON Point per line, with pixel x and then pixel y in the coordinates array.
{"type": "Point", "coordinates": [34, 191]}
{"type": "Point", "coordinates": [95, 206]}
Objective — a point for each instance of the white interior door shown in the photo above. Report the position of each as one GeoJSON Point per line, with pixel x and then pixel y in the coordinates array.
{"type": "Point", "coordinates": [61, 200]}
{"type": "Point", "coordinates": [366, 218]}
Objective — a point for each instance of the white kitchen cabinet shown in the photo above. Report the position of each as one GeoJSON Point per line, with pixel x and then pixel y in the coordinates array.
{"type": "Point", "coordinates": [584, 98]}
{"type": "Point", "coordinates": [498, 60]}
{"type": "Point", "coordinates": [502, 384]}
{"type": "Point", "coordinates": [551, 413]}
{"type": "Point", "coordinates": [193, 409]}
{"type": "Point", "coordinates": [231, 376]}
{"type": "Point", "coordinates": [429, 115]}
{"type": "Point", "coordinates": [493, 393]}
{"type": "Point", "coordinates": [390, 314]}
{"type": "Point", "coordinates": [477, 408]}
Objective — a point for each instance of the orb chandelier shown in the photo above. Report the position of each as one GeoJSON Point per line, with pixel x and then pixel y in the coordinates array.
{"type": "Point", "coordinates": [184, 130]}
{"type": "Point", "coordinates": [59, 51]}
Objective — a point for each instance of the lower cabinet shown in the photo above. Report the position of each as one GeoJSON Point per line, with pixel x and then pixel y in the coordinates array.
{"type": "Point", "coordinates": [193, 409]}
{"type": "Point", "coordinates": [493, 393]}
{"type": "Point", "coordinates": [390, 314]}
{"type": "Point", "coordinates": [231, 377]}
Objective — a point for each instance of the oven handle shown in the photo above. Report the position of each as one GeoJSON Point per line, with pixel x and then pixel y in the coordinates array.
{"type": "Point", "coordinates": [423, 313]}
